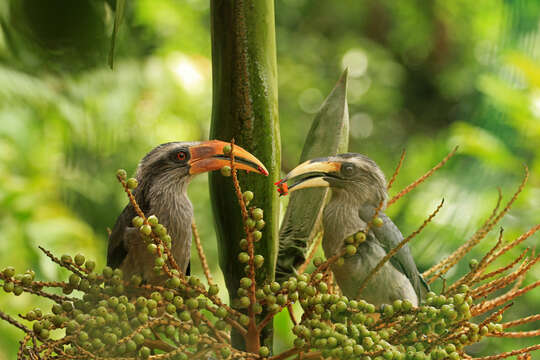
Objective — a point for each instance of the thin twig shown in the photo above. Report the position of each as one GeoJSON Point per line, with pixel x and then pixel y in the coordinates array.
{"type": "Point", "coordinates": [468, 244]}
{"type": "Point", "coordinates": [475, 273]}
{"type": "Point", "coordinates": [522, 321]}
{"type": "Point", "coordinates": [516, 334]}
{"type": "Point", "coordinates": [312, 253]}
{"type": "Point", "coordinates": [510, 353]}
{"type": "Point", "coordinates": [488, 305]}
{"type": "Point", "coordinates": [451, 260]}
{"type": "Point", "coordinates": [422, 178]}
{"type": "Point", "coordinates": [14, 322]}
{"type": "Point", "coordinates": [396, 172]}
{"type": "Point", "coordinates": [200, 251]}
{"type": "Point", "coordinates": [502, 269]}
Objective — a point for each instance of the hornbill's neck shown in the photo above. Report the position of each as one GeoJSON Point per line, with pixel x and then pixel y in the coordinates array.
{"type": "Point", "coordinates": [340, 220]}
{"type": "Point", "coordinates": [166, 197]}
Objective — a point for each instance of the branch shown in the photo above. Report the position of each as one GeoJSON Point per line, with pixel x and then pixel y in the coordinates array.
{"type": "Point", "coordinates": [422, 178]}
{"type": "Point", "coordinates": [200, 251]}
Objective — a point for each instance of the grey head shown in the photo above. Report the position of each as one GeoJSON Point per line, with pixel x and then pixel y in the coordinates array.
{"type": "Point", "coordinates": [354, 174]}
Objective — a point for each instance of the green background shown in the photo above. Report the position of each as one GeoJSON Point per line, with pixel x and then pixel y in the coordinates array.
{"type": "Point", "coordinates": [423, 76]}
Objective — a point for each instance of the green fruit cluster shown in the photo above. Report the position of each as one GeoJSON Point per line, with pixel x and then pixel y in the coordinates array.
{"type": "Point", "coordinates": [108, 316]}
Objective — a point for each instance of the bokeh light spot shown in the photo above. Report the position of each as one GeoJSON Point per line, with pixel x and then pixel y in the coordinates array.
{"type": "Point", "coordinates": [186, 72]}
{"type": "Point", "coordinates": [310, 100]}
{"type": "Point", "coordinates": [357, 62]}
{"type": "Point", "coordinates": [361, 125]}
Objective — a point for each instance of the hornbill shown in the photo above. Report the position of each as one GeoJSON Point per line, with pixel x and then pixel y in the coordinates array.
{"type": "Point", "coordinates": [163, 176]}
{"type": "Point", "coordinates": [358, 187]}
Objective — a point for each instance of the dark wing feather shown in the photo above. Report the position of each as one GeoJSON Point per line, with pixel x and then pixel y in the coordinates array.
{"type": "Point", "coordinates": [389, 237]}
{"type": "Point", "coordinates": [116, 251]}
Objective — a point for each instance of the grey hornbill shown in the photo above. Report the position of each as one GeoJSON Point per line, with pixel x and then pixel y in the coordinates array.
{"type": "Point", "coordinates": [358, 187]}
{"type": "Point", "coordinates": [163, 176]}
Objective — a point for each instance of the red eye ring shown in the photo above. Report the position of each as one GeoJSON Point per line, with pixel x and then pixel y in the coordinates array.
{"type": "Point", "coordinates": [181, 155]}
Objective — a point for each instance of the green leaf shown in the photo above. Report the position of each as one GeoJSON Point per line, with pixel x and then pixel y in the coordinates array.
{"type": "Point", "coordinates": [118, 17]}
{"type": "Point", "coordinates": [329, 135]}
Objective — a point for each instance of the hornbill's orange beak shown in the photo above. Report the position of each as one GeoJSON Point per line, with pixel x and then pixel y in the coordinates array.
{"type": "Point", "coordinates": [208, 156]}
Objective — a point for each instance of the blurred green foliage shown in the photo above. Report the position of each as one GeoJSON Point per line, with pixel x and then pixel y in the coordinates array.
{"type": "Point", "coordinates": [424, 76]}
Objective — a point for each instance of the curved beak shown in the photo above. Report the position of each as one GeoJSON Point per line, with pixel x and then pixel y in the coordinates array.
{"type": "Point", "coordinates": [312, 173]}
{"type": "Point", "coordinates": [209, 156]}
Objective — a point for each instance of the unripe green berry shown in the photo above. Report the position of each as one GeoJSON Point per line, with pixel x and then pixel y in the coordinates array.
{"type": "Point", "coordinates": [184, 316]}
{"type": "Point", "coordinates": [192, 303]}
{"type": "Point", "coordinates": [79, 259]}
{"type": "Point", "coordinates": [144, 352]}
{"type": "Point", "coordinates": [173, 283]}
{"type": "Point", "coordinates": [243, 244]}
{"type": "Point", "coordinates": [473, 264]}
{"type": "Point", "coordinates": [243, 257]}
{"type": "Point", "coordinates": [151, 304]}
{"type": "Point", "coordinates": [258, 260]}
{"type": "Point", "coordinates": [274, 286]}
{"type": "Point", "coordinates": [257, 235]}
{"type": "Point", "coordinates": [221, 312]}
{"type": "Point", "coordinates": [360, 237]}
{"type": "Point", "coordinates": [227, 149]}
{"type": "Point", "coordinates": [259, 225]}
{"type": "Point", "coordinates": [299, 343]}
{"type": "Point", "coordinates": [350, 250]}
{"type": "Point", "coordinates": [107, 272]}
{"type": "Point", "coordinates": [90, 265]}
{"type": "Point", "coordinates": [406, 305]}
{"type": "Point", "coordinates": [243, 319]}
{"type": "Point", "coordinates": [378, 222]}
{"type": "Point", "coordinates": [264, 351]}
{"type": "Point", "coordinates": [250, 223]}
{"type": "Point", "coordinates": [132, 183]}
{"type": "Point", "coordinates": [137, 221]}
{"type": "Point", "coordinates": [245, 282]}
{"type": "Point", "coordinates": [170, 308]}
{"type": "Point", "coordinates": [145, 229]}
{"type": "Point", "coordinates": [243, 302]}
{"type": "Point", "coordinates": [226, 171]}
{"type": "Point", "coordinates": [257, 214]}
{"type": "Point", "coordinates": [388, 310]}
{"type": "Point", "coordinates": [248, 196]}
{"type": "Point", "coordinates": [152, 248]}
{"type": "Point", "coordinates": [153, 220]}
{"type": "Point", "coordinates": [213, 290]}
{"type": "Point", "coordinates": [323, 287]}
{"type": "Point", "coordinates": [121, 174]}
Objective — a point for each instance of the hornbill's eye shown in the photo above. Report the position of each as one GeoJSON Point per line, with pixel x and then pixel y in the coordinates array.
{"type": "Point", "coordinates": [182, 155]}
{"type": "Point", "coordinates": [347, 169]}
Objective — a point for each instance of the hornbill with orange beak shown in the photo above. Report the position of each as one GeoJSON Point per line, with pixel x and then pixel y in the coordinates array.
{"type": "Point", "coordinates": [163, 176]}
{"type": "Point", "coordinates": [358, 187]}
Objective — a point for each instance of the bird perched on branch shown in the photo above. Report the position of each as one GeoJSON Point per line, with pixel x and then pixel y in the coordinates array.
{"type": "Point", "coordinates": [163, 176]}
{"type": "Point", "coordinates": [358, 187]}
